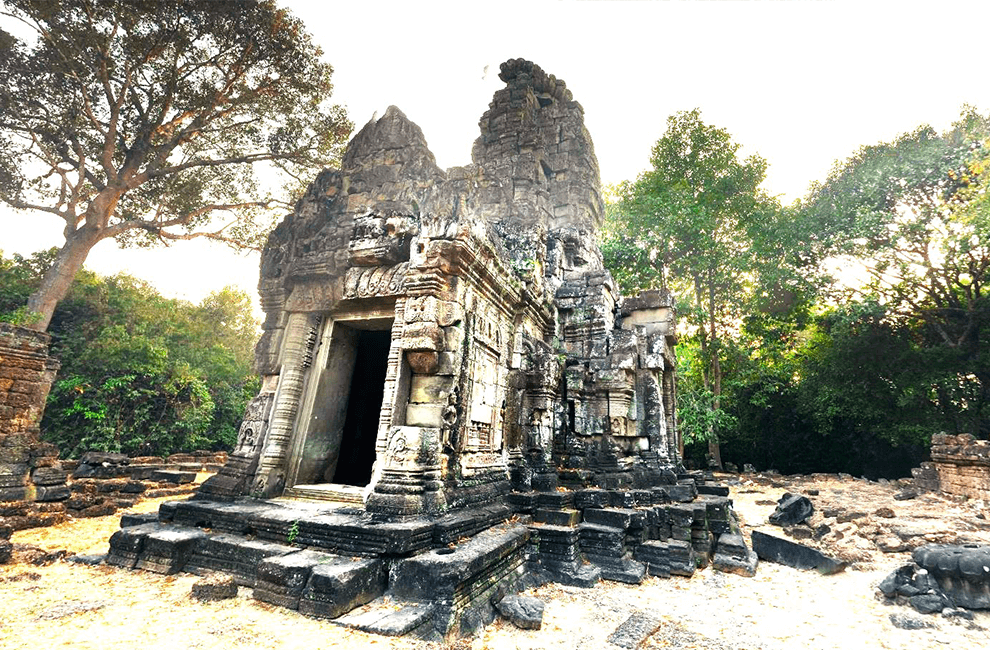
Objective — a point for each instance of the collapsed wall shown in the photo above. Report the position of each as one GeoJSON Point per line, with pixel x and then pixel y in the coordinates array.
{"type": "Point", "coordinates": [960, 465]}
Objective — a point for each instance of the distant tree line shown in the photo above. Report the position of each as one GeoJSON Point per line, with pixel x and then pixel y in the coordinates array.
{"type": "Point", "coordinates": [141, 373]}
{"type": "Point", "coordinates": [838, 333]}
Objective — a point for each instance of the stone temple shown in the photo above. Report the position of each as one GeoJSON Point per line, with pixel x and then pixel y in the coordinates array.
{"type": "Point", "coordinates": [431, 333]}
{"type": "Point", "coordinates": [444, 352]}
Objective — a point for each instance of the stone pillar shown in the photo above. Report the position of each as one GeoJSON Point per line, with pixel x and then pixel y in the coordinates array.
{"type": "Point", "coordinates": [300, 337]}
{"type": "Point", "coordinates": [29, 468]}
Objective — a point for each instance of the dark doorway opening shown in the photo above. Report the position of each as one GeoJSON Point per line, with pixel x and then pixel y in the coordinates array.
{"type": "Point", "coordinates": [364, 405]}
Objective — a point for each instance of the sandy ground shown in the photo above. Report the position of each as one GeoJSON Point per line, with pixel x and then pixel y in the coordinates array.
{"type": "Point", "coordinates": [66, 605]}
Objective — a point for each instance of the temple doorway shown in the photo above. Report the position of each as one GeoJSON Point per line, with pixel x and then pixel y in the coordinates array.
{"type": "Point", "coordinates": [367, 388]}
{"type": "Point", "coordinates": [342, 409]}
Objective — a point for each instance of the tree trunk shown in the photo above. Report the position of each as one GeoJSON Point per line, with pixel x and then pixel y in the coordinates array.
{"type": "Point", "coordinates": [78, 242]}
{"type": "Point", "coordinates": [59, 277]}
{"type": "Point", "coordinates": [714, 451]}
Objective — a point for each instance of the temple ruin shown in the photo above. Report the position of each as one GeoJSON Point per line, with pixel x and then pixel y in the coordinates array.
{"type": "Point", "coordinates": [444, 353]}
{"type": "Point", "coordinates": [430, 333]}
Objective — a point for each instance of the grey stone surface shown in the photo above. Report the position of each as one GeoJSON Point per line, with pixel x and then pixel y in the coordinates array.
{"type": "Point", "coordinates": [782, 551]}
{"type": "Point", "coordinates": [906, 621]}
{"type": "Point", "coordinates": [335, 588]}
{"type": "Point", "coordinates": [635, 630]}
{"type": "Point", "coordinates": [524, 612]}
{"type": "Point", "coordinates": [961, 572]}
{"type": "Point", "coordinates": [389, 620]}
{"type": "Point", "coordinates": [792, 509]}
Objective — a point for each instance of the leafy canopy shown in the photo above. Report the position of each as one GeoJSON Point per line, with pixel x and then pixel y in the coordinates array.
{"type": "Point", "coordinates": [145, 119]}
{"type": "Point", "coordinates": [140, 372]}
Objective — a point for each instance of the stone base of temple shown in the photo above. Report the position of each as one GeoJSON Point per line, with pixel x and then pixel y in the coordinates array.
{"type": "Point", "coordinates": [441, 575]}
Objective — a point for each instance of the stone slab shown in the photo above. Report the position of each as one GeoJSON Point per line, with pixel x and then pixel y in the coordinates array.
{"type": "Point", "coordinates": [635, 630]}
{"type": "Point", "coordinates": [782, 551]}
{"type": "Point", "coordinates": [389, 619]}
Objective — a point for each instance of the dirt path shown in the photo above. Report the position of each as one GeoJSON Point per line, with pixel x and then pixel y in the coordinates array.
{"type": "Point", "coordinates": [67, 605]}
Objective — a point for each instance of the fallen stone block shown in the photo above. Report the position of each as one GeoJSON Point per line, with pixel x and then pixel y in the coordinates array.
{"type": "Point", "coordinates": [214, 587]}
{"type": "Point", "coordinates": [792, 509]}
{"type": "Point", "coordinates": [634, 630]}
{"type": "Point", "coordinates": [909, 622]}
{"type": "Point", "coordinates": [390, 619]}
{"type": "Point", "coordinates": [524, 612]}
{"type": "Point", "coordinates": [745, 567]}
{"type": "Point", "coordinates": [962, 572]}
{"type": "Point", "coordinates": [782, 551]}
{"type": "Point", "coordinates": [732, 556]}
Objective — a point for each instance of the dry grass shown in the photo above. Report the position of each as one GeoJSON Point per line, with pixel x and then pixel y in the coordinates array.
{"type": "Point", "coordinates": [74, 606]}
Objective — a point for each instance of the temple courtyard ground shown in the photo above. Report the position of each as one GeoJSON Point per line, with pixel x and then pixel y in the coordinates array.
{"type": "Point", "coordinates": [68, 605]}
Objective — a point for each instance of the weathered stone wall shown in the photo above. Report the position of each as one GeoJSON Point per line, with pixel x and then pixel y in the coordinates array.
{"type": "Point", "coordinates": [963, 465]}
{"type": "Point", "coordinates": [28, 468]}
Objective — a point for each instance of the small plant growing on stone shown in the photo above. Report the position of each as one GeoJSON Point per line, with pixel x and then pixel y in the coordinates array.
{"type": "Point", "coordinates": [293, 532]}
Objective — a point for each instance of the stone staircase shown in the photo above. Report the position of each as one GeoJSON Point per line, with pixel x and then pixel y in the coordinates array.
{"type": "Point", "coordinates": [431, 577]}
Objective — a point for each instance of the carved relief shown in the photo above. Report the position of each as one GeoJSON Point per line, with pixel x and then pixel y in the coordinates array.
{"type": "Point", "coordinates": [377, 281]}
{"type": "Point", "coordinates": [251, 433]}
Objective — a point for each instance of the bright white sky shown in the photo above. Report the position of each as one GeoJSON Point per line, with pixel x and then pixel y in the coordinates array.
{"type": "Point", "coordinates": [802, 83]}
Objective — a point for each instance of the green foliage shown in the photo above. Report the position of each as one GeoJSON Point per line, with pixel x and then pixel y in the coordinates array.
{"type": "Point", "coordinates": [142, 373]}
{"type": "Point", "coordinates": [696, 224]}
{"type": "Point", "coordinates": [863, 373]}
{"type": "Point", "coordinates": [913, 214]}
{"type": "Point", "coordinates": [784, 365]}
{"type": "Point", "coordinates": [699, 416]}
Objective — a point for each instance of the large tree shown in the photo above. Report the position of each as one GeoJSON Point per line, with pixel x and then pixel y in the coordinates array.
{"type": "Point", "coordinates": [689, 225]}
{"type": "Point", "coordinates": [914, 216]}
{"type": "Point", "coordinates": [149, 121]}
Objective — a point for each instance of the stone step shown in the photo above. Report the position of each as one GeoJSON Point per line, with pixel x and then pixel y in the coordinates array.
{"type": "Point", "coordinates": [326, 492]}
{"type": "Point", "coordinates": [313, 582]}
{"type": "Point", "coordinates": [557, 517]}
{"type": "Point", "coordinates": [173, 476]}
{"type": "Point", "coordinates": [390, 618]}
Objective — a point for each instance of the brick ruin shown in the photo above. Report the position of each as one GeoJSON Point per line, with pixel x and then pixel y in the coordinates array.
{"type": "Point", "coordinates": [445, 353]}
{"type": "Point", "coordinates": [960, 466]}
{"type": "Point", "coordinates": [29, 468]}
